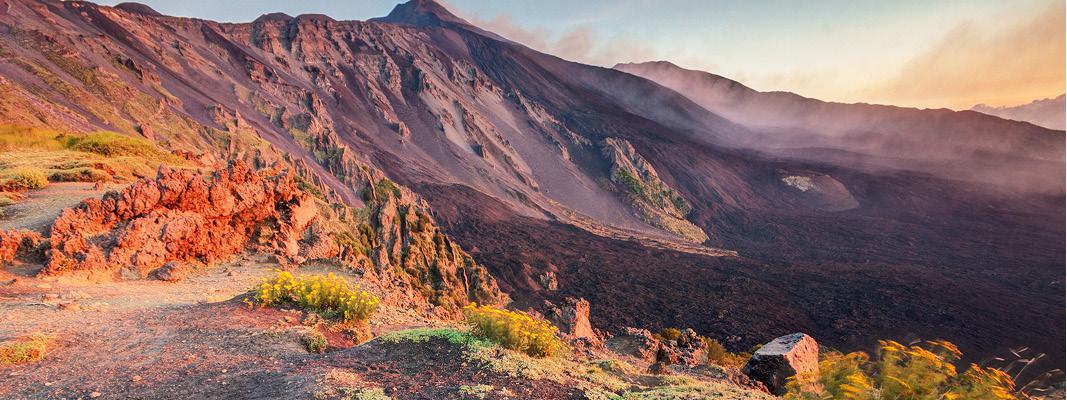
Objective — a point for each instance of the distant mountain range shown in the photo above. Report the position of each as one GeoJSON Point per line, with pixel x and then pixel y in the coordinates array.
{"type": "Point", "coordinates": [1048, 113]}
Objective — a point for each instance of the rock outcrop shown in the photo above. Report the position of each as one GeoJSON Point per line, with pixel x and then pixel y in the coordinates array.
{"type": "Point", "coordinates": [635, 342]}
{"type": "Point", "coordinates": [572, 319]}
{"type": "Point", "coordinates": [181, 215]}
{"type": "Point", "coordinates": [658, 204]}
{"type": "Point", "coordinates": [15, 242]}
{"type": "Point", "coordinates": [784, 357]}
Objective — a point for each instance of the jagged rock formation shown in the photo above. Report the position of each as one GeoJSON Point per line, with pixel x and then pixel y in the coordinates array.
{"type": "Point", "coordinates": [184, 216]}
{"type": "Point", "coordinates": [408, 246]}
{"type": "Point", "coordinates": [181, 216]}
{"type": "Point", "coordinates": [784, 357]}
{"type": "Point", "coordinates": [572, 319]}
{"type": "Point", "coordinates": [657, 202]}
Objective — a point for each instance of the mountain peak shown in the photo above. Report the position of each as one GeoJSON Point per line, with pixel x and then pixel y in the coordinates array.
{"type": "Point", "coordinates": [138, 8]}
{"type": "Point", "coordinates": [421, 13]}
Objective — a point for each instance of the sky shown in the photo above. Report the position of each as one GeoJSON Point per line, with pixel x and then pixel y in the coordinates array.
{"type": "Point", "coordinates": [918, 53]}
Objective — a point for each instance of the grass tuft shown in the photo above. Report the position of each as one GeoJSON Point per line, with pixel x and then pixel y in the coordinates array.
{"type": "Point", "coordinates": [23, 178]}
{"type": "Point", "coordinates": [314, 341]}
{"type": "Point", "coordinates": [25, 350]}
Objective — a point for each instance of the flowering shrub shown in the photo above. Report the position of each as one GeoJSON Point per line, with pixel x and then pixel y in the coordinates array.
{"type": "Point", "coordinates": [329, 295]}
{"type": "Point", "coordinates": [923, 371]}
{"type": "Point", "coordinates": [514, 330]}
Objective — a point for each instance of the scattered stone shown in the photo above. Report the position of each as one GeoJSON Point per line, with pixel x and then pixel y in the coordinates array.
{"type": "Point", "coordinates": [172, 271]}
{"type": "Point", "coordinates": [135, 378]}
{"type": "Point", "coordinates": [75, 295]}
{"type": "Point", "coordinates": [659, 368]}
{"type": "Point", "coordinates": [635, 342]}
{"type": "Point", "coordinates": [548, 281]}
{"type": "Point", "coordinates": [95, 394]}
{"type": "Point", "coordinates": [784, 357]}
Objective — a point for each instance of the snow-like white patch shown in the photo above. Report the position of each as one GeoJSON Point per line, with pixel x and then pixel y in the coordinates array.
{"type": "Point", "coordinates": [801, 183]}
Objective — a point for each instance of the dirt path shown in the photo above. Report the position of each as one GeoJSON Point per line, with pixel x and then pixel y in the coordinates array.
{"type": "Point", "coordinates": [197, 339]}
{"type": "Point", "coordinates": [40, 207]}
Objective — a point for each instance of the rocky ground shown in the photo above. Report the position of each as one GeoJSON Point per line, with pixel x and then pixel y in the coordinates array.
{"type": "Point", "coordinates": [185, 330]}
{"type": "Point", "coordinates": [197, 339]}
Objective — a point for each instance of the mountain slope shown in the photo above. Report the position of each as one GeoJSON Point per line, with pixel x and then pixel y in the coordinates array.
{"type": "Point", "coordinates": [1048, 113]}
{"type": "Point", "coordinates": [507, 145]}
{"type": "Point", "coordinates": [956, 145]}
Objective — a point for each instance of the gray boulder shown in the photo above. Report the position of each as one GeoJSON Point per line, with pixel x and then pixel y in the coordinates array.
{"type": "Point", "coordinates": [784, 357]}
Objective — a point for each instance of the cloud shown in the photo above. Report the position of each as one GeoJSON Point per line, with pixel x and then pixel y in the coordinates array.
{"type": "Point", "coordinates": [577, 44]}
{"type": "Point", "coordinates": [1006, 64]}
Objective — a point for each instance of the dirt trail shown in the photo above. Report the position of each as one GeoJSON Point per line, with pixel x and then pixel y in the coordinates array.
{"type": "Point", "coordinates": [40, 207]}
{"type": "Point", "coordinates": [152, 339]}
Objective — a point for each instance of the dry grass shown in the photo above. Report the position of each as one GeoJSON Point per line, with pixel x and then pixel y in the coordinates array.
{"type": "Point", "coordinates": [32, 157]}
{"type": "Point", "coordinates": [923, 371]}
{"type": "Point", "coordinates": [24, 350]}
{"type": "Point", "coordinates": [23, 178]}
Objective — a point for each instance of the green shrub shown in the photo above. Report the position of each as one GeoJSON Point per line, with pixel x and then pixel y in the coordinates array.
{"type": "Point", "coordinates": [24, 178]}
{"type": "Point", "coordinates": [716, 351]}
{"type": "Point", "coordinates": [925, 371]}
{"type": "Point", "coordinates": [314, 341]}
{"type": "Point", "coordinates": [476, 392]}
{"type": "Point", "coordinates": [514, 330]}
{"type": "Point", "coordinates": [367, 394]}
{"type": "Point", "coordinates": [381, 191]}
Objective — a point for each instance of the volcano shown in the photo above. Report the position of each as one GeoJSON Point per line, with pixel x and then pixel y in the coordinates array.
{"type": "Point", "coordinates": [664, 197]}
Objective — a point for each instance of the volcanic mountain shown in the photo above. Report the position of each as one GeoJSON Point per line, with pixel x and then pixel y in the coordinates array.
{"type": "Point", "coordinates": [742, 214]}
{"type": "Point", "coordinates": [958, 145]}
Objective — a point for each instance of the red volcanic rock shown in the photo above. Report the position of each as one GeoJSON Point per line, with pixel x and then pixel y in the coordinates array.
{"type": "Point", "coordinates": [14, 241]}
{"type": "Point", "coordinates": [782, 358]}
{"type": "Point", "coordinates": [181, 215]}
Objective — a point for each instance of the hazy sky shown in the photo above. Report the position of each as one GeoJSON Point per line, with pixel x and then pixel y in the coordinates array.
{"type": "Point", "coordinates": [915, 53]}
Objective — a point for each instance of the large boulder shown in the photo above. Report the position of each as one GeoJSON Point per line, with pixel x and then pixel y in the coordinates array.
{"type": "Point", "coordinates": [784, 357]}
